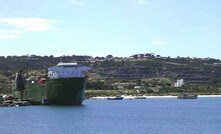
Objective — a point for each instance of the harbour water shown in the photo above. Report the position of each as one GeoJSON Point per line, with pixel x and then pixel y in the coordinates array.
{"type": "Point", "coordinates": [146, 116]}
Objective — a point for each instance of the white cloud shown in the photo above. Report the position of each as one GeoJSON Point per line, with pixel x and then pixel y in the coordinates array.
{"type": "Point", "coordinates": [23, 25]}
{"type": "Point", "coordinates": [11, 31]}
{"type": "Point", "coordinates": [77, 2]}
{"type": "Point", "coordinates": [159, 42]}
{"type": "Point", "coordinates": [28, 24]}
{"type": "Point", "coordinates": [142, 1]}
{"type": "Point", "coordinates": [9, 36]}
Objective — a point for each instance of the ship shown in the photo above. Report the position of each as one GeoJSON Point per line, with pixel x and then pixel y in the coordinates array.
{"type": "Point", "coordinates": [187, 96]}
{"type": "Point", "coordinates": [64, 85]}
{"type": "Point", "coordinates": [115, 98]}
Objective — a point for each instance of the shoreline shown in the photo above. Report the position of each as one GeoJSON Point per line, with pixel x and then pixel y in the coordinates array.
{"type": "Point", "coordinates": [152, 97]}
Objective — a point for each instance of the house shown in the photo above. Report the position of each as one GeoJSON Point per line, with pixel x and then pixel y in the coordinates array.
{"type": "Point", "coordinates": [179, 83]}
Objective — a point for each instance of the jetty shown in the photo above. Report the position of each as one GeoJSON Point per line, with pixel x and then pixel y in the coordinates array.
{"type": "Point", "coordinates": [9, 101]}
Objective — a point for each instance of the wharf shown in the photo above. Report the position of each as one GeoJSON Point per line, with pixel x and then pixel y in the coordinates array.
{"type": "Point", "coordinates": [11, 103]}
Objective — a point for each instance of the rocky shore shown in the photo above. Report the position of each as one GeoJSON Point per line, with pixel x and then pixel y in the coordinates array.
{"type": "Point", "coordinates": [9, 101]}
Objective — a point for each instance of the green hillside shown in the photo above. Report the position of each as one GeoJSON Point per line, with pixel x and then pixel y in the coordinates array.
{"type": "Point", "coordinates": [141, 71]}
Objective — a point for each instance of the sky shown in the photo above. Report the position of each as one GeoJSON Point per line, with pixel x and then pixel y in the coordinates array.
{"type": "Point", "coordinates": [117, 27]}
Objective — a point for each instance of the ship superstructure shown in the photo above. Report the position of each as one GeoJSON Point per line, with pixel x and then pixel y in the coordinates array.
{"type": "Point", "coordinates": [67, 70]}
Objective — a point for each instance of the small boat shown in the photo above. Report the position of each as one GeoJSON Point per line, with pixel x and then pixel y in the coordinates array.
{"type": "Point", "coordinates": [115, 98]}
{"type": "Point", "coordinates": [187, 96]}
{"type": "Point", "coordinates": [140, 97]}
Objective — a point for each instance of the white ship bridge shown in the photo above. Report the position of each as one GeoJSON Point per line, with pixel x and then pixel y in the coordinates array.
{"type": "Point", "coordinates": [67, 70]}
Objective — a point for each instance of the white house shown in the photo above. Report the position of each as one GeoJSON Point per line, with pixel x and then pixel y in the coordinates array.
{"type": "Point", "coordinates": [179, 83]}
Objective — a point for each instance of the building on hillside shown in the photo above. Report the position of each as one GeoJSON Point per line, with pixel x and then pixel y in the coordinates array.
{"type": "Point", "coordinates": [179, 83]}
{"type": "Point", "coordinates": [139, 87]}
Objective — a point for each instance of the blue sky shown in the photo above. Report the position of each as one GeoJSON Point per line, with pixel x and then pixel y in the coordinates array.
{"type": "Point", "coordinates": [118, 27]}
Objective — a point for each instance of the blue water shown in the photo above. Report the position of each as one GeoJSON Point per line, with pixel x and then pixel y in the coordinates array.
{"type": "Point", "coordinates": [149, 116]}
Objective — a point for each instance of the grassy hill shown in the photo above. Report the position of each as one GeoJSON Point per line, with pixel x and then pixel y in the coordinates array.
{"type": "Point", "coordinates": [148, 72]}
